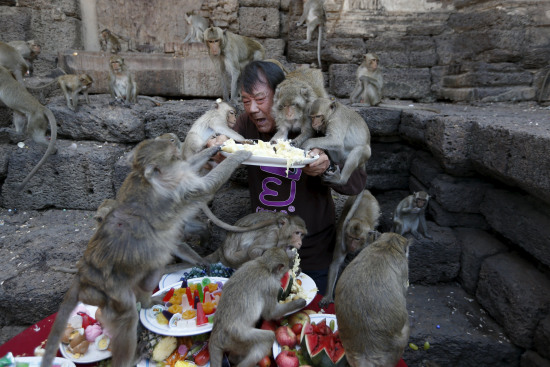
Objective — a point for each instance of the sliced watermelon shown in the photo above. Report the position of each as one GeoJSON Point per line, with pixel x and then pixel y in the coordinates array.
{"type": "Point", "coordinates": [286, 285]}
{"type": "Point", "coordinates": [321, 347]}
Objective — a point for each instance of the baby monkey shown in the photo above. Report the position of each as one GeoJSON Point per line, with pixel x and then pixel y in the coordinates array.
{"type": "Point", "coordinates": [410, 215]}
{"type": "Point", "coordinates": [72, 85]}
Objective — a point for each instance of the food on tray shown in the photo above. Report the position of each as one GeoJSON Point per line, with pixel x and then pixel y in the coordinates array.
{"type": "Point", "coordinates": [291, 286]}
{"type": "Point", "coordinates": [169, 351]}
{"type": "Point", "coordinates": [82, 331]}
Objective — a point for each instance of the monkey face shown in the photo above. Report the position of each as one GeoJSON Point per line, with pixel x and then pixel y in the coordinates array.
{"type": "Point", "coordinates": [214, 47]}
{"type": "Point", "coordinates": [317, 122]}
{"type": "Point", "coordinates": [231, 118]}
{"type": "Point", "coordinates": [116, 65]}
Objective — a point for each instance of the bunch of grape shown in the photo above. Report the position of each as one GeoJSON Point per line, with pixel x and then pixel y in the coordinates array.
{"type": "Point", "coordinates": [214, 270]}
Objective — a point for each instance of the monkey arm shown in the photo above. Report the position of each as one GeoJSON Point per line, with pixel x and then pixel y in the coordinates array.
{"type": "Point", "coordinates": [229, 132]}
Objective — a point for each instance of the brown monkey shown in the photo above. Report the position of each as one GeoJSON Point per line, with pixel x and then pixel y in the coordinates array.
{"type": "Point", "coordinates": [130, 249]}
{"type": "Point", "coordinates": [71, 85]}
{"type": "Point", "coordinates": [12, 60]}
{"type": "Point", "coordinates": [121, 82]}
{"type": "Point", "coordinates": [346, 138]}
{"type": "Point", "coordinates": [197, 26]}
{"type": "Point", "coordinates": [250, 294]}
{"type": "Point", "coordinates": [29, 50]}
{"type": "Point", "coordinates": [369, 82]}
{"type": "Point", "coordinates": [218, 120]}
{"type": "Point", "coordinates": [28, 116]}
{"type": "Point", "coordinates": [286, 232]}
{"type": "Point", "coordinates": [292, 99]}
{"type": "Point", "coordinates": [370, 303]}
{"type": "Point", "coordinates": [314, 17]}
{"type": "Point", "coordinates": [358, 221]}
{"type": "Point", "coordinates": [231, 52]}
{"type": "Point", "coordinates": [108, 42]}
{"type": "Point", "coordinates": [410, 215]}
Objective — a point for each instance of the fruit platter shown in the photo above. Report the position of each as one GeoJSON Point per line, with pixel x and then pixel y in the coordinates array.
{"type": "Point", "coordinates": [188, 307]}
{"type": "Point", "coordinates": [305, 338]}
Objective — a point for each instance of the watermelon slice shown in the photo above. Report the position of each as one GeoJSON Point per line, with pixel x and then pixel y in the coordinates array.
{"type": "Point", "coordinates": [286, 285]}
{"type": "Point", "coordinates": [322, 347]}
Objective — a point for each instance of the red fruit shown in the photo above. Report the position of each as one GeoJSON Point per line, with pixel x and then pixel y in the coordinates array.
{"type": "Point", "coordinates": [269, 325]}
{"type": "Point", "coordinates": [265, 362]}
{"type": "Point", "coordinates": [202, 357]}
{"type": "Point", "coordinates": [287, 358]}
{"type": "Point", "coordinates": [297, 328]}
{"type": "Point", "coordinates": [285, 336]}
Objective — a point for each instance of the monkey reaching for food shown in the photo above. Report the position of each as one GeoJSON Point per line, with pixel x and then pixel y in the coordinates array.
{"type": "Point", "coordinates": [197, 25]}
{"type": "Point", "coordinates": [370, 302]}
{"type": "Point", "coordinates": [346, 138]}
{"type": "Point", "coordinates": [131, 247]}
{"type": "Point", "coordinates": [231, 52]}
{"type": "Point", "coordinates": [250, 294]}
{"type": "Point", "coordinates": [286, 232]}
{"type": "Point", "coordinates": [108, 42]}
{"type": "Point", "coordinates": [356, 229]}
{"type": "Point", "coordinates": [29, 50]}
{"type": "Point", "coordinates": [12, 60]}
{"type": "Point", "coordinates": [368, 82]}
{"type": "Point", "coordinates": [410, 215]}
{"type": "Point", "coordinates": [314, 17]}
{"type": "Point", "coordinates": [72, 85]}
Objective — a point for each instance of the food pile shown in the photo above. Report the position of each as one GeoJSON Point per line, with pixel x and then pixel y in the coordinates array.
{"type": "Point", "coordinates": [171, 351]}
{"type": "Point", "coordinates": [83, 330]}
{"type": "Point", "coordinates": [291, 286]}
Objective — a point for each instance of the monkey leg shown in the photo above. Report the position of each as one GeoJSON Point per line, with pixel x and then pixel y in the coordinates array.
{"type": "Point", "coordinates": [357, 91]}
{"type": "Point", "coordinates": [337, 260]}
{"type": "Point", "coordinates": [20, 121]}
{"type": "Point", "coordinates": [259, 343]}
{"type": "Point", "coordinates": [187, 254]}
{"type": "Point", "coordinates": [356, 159]}
{"type": "Point", "coordinates": [122, 321]}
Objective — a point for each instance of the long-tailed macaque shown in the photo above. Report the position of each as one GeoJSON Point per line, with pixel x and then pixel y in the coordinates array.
{"type": "Point", "coordinates": [410, 215]}
{"type": "Point", "coordinates": [356, 229]}
{"type": "Point", "coordinates": [130, 249]}
{"type": "Point", "coordinates": [346, 138]}
{"type": "Point", "coordinates": [292, 99]}
{"type": "Point", "coordinates": [12, 60]}
{"type": "Point", "coordinates": [248, 296]}
{"type": "Point", "coordinates": [28, 116]}
{"type": "Point", "coordinates": [231, 52]}
{"type": "Point", "coordinates": [219, 120]}
{"type": "Point", "coordinates": [108, 42]}
{"type": "Point", "coordinates": [72, 85]}
{"type": "Point", "coordinates": [368, 82]}
{"type": "Point", "coordinates": [29, 50]}
{"type": "Point", "coordinates": [286, 232]}
{"type": "Point", "coordinates": [371, 306]}
{"type": "Point", "coordinates": [197, 26]}
{"type": "Point", "coordinates": [121, 81]}
{"type": "Point", "coordinates": [314, 17]}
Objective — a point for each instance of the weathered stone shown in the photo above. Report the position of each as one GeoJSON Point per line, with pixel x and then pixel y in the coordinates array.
{"type": "Point", "coordinates": [521, 219]}
{"type": "Point", "coordinates": [462, 195]}
{"type": "Point", "coordinates": [260, 3]}
{"type": "Point", "coordinates": [411, 83]}
{"type": "Point", "coordinates": [424, 167]}
{"type": "Point", "coordinates": [507, 94]}
{"type": "Point", "coordinates": [383, 122]}
{"type": "Point", "coordinates": [343, 50]}
{"type": "Point", "coordinates": [434, 260]}
{"type": "Point", "coordinates": [476, 245]}
{"type": "Point", "coordinates": [506, 282]}
{"type": "Point", "coordinates": [387, 181]}
{"type": "Point", "coordinates": [390, 158]}
{"type": "Point", "coordinates": [78, 176]}
{"type": "Point", "coordinates": [274, 47]}
{"type": "Point", "coordinates": [121, 169]}
{"type": "Point", "coordinates": [532, 359]}
{"type": "Point", "coordinates": [14, 23]}
{"type": "Point", "coordinates": [5, 152]}
{"type": "Point", "coordinates": [542, 337]}
{"type": "Point", "coordinates": [341, 79]}
{"type": "Point", "coordinates": [259, 22]}
{"type": "Point", "coordinates": [303, 53]}
{"type": "Point", "coordinates": [489, 75]}
{"type": "Point", "coordinates": [388, 201]}
{"type": "Point", "coordinates": [449, 219]}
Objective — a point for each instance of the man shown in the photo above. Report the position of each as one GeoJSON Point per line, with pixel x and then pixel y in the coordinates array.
{"type": "Point", "coordinates": [302, 192]}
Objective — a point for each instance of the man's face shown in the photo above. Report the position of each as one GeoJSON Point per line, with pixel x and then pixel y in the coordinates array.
{"type": "Point", "coordinates": [258, 107]}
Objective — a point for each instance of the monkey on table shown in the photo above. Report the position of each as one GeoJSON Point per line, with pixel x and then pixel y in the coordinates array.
{"type": "Point", "coordinates": [248, 296]}
{"type": "Point", "coordinates": [29, 50]}
{"type": "Point", "coordinates": [197, 25]}
{"type": "Point", "coordinates": [356, 227]}
{"type": "Point", "coordinates": [286, 232]}
{"type": "Point", "coordinates": [108, 42]}
{"type": "Point", "coordinates": [29, 117]}
{"type": "Point", "coordinates": [72, 85]}
{"type": "Point", "coordinates": [292, 100]}
{"type": "Point", "coordinates": [370, 303]}
{"type": "Point", "coordinates": [410, 215]}
{"type": "Point", "coordinates": [12, 60]}
{"type": "Point", "coordinates": [231, 52]}
{"type": "Point", "coordinates": [130, 249]}
{"type": "Point", "coordinates": [314, 17]}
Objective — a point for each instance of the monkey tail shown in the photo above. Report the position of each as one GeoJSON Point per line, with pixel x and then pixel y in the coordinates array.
{"type": "Point", "coordinates": [229, 227]}
{"type": "Point", "coordinates": [49, 151]}
{"type": "Point", "coordinates": [69, 303]}
{"type": "Point", "coordinates": [350, 214]}
{"type": "Point", "coordinates": [43, 85]}
{"type": "Point", "coordinates": [319, 45]}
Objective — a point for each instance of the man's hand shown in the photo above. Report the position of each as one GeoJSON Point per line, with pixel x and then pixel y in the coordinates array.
{"type": "Point", "coordinates": [217, 140]}
{"type": "Point", "coordinates": [318, 167]}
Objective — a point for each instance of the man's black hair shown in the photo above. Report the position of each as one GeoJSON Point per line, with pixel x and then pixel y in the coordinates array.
{"type": "Point", "coordinates": [256, 71]}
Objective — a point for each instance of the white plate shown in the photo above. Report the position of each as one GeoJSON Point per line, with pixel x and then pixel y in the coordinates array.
{"type": "Point", "coordinates": [309, 287]}
{"type": "Point", "coordinates": [273, 161]}
{"type": "Point", "coordinates": [172, 278]}
{"type": "Point", "coordinates": [37, 361]}
{"type": "Point", "coordinates": [316, 318]}
{"type": "Point", "coordinates": [93, 354]}
{"type": "Point", "coordinates": [149, 321]}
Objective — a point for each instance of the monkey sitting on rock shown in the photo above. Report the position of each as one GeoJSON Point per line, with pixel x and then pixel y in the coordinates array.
{"type": "Point", "coordinates": [410, 216]}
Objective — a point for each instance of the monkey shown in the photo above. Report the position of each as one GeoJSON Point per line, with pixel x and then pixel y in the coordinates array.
{"type": "Point", "coordinates": [410, 215]}
{"type": "Point", "coordinates": [286, 232]}
{"type": "Point", "coordinates": [108, 42]}
{"type": "Point", "coordinates": [250, 294]}
{"type": "Point", "coordinates": [291, 100]}
{"type": "Point", "coordinates": [279, 64]}
{"type": "Point", "coordinates": [198, 25]}
{"type": "Point", "coordinates": [369, 82]}
{"type": "Point", "coordinates": [29, 50]}
{"type": "Point", "coordinates": [219, 120]}
{"type": "Point", "coordinates": [121, 82]}
{"type": "Point", "coordinates": [130, 249]}
{"type": "Point", "coordinates": [314, 17]}
{"type": "Point", "coordinates": [28, 116]}
{"type": "Point", "coordinates": [12, 60]}
{"type": "Point", "coordinates": [345, 138]}
{"type": "Point", "coordinates": [71, 85]}
{"type": "Point", "coordinates": [358, 221]}
{"type": "Point", "coordinates": [231, 52]}
{"type": "Point", "coordinates": [370, 303]}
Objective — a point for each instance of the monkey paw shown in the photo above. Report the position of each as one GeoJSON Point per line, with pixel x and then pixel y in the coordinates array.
{"type": "Point", "coordinates": [325, 301]}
